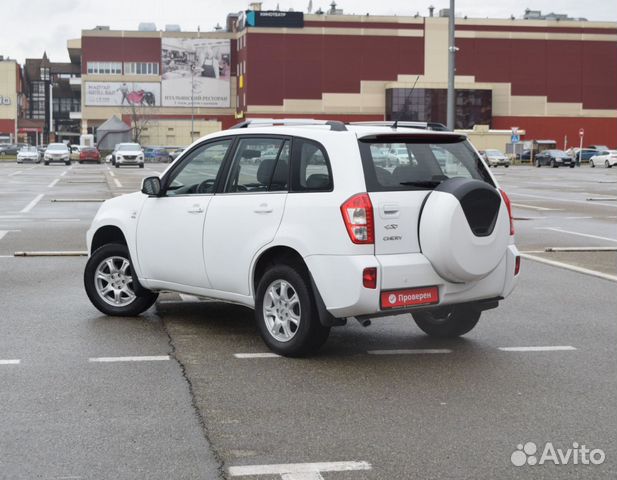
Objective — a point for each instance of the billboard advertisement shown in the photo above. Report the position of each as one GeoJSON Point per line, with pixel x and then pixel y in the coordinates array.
{"type": "Point", "coordinates": [196, 72]}
{"type": "Point", "coordinates": [118, 94]}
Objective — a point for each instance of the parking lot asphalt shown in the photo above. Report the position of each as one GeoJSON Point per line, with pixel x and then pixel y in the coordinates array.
{"type": "Point", "coordinates": [188, 390]}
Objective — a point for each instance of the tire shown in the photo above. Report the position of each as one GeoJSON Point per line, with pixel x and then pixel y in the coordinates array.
{"type": "Point", "coordinates": [81, 163]}
{"type": "Point", "coordinates": [141, 165]}
{"type": "Point", "coordinates": [507, 165]}
{"type": "Point", "coordinates": [447, 322]}
{"type": "Point", "coordinates": [553, 164]}
{"type": "Point", "coordinates": [130, 302]}
{"type": "Point", "coordinates": [46, 163]}
{"type": "Point", "coordinates": [538, 163]}
{"type": "Point", "coordinates": [572, 165]}
{"type": "Point", "coordinates": [298, 339]}
{"type": "Point", "coordinates": [117, 165]}
{"type": "Point", "coordinates": [591, 164]}
{"type": "Point", "coordinates": [607, 164]}
{"type": "Point", "coordinates": [67, 163]}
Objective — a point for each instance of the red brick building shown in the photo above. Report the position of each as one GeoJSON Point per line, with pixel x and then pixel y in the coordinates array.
{"type": "Point", "coordinates": [547, 78]}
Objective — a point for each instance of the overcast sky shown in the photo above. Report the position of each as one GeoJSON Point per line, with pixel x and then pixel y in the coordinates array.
{"type": "Point", "coordinates": [29, 27]}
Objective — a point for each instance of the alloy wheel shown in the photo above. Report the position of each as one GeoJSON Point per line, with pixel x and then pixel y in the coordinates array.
{"type": "Point", "coordinates": [281, 310]}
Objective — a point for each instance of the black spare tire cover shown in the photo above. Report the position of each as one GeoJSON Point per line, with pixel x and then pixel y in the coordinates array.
{"type": "Point", "coordinates": [464, 229]}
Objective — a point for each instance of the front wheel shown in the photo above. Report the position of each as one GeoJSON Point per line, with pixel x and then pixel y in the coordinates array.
{"type": "Point", "coordinates": [285, 313]}
{"type": "Point", "coordinates": [553, 164]}
{"type": "Point", "coordinates": [607, 164]}
{"type": "Point", "coordinates": [141, 165]}
{"type": "Point", "coordinates": [591, 164]}
{"type": "Point", "coordinates": [111, 284]}
{"type": "Point", "coordinates": [447, 322]}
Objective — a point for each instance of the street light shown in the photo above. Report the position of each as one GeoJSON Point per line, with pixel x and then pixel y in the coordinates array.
{"type": "Point", "coordinates": [451, 67]}
{"type": "Point", "coordinates": [192, 100]}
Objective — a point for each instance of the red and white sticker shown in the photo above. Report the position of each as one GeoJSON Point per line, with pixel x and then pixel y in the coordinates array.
{"type": "Point", "coordinates": [409, 297]}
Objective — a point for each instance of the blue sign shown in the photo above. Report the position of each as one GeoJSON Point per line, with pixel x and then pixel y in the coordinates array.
{"type": "Point", "coordinates": [515, 138]}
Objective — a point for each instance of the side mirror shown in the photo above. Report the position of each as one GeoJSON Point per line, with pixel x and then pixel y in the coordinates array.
{"type": "Point", "coordinates": [151, 186]}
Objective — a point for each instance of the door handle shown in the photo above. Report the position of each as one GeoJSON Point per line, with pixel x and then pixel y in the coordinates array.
{"type": "Point", "coordinates": [195, 209]}
{"type": "Point", "coordinates": [390, 210]}
{"type": "Point", "coordinates": [264, 208]}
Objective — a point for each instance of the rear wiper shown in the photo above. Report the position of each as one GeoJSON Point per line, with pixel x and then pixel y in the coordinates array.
{"type": "Point", "coordinates": [425, 183]}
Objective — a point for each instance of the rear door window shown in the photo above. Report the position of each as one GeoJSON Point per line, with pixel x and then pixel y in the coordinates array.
{"type": "Point", "coordinates": [311, 170]}
{"type": "Point", "coordinates": [412, 163]}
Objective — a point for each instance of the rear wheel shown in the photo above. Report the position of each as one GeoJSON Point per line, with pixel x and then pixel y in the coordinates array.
{"type": "Point", "coordinates": [447, 322]}
{"type": "Point", "coordinates": [285, 312]}
{"type": "Point", "coordinates": [111, 285]}
{"type": "Point", "coordinates": [607, 164]}
{"type": "Point", "coordinates": [538, 163]}
{"type": "Point", "coordinates": [553, 164]}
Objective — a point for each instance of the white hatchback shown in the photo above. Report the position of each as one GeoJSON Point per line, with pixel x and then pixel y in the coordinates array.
{"type": "Point", "coordinates": [319, 232]}
{"type": "Point", "coordinates": [606, 158]}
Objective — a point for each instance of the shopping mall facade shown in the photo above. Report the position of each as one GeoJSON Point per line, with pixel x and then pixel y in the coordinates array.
{"type": "Point", "coordinates": [548, 78]}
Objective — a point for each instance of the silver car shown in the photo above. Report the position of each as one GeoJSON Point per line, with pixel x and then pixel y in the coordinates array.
{"type": "Point", "coordinates": [28, 154]}
{"type": "Point", "coordinates": [57, 152]}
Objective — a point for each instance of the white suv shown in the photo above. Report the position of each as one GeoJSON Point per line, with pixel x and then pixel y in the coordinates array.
{"type": "Point", "coordinates": [128, 154]}
{"type": "Point", "coordinates": [314, 235]}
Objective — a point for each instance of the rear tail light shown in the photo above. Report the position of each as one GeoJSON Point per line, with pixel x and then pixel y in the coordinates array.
{"type": "Point", "coordinates": [369, 277]}
{"type": "Point", "coordinates": [358, 216]}
{"type": "Point", "coordinates": [517, 265]}
{"type": "Point", "coordinates": [509, 207]}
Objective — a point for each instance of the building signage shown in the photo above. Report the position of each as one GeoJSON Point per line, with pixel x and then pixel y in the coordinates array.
{"type": "Point", "coordinates": [271, 18]}
{"type": "Point", "coordinates": [5, 100]}
{"type": "Point", "coordinates": [122, 94]}
{"type": "Point", "coordinates": [196, 72]}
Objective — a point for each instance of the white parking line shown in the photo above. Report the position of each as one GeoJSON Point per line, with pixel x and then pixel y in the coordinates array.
{"type": "Point", "coordinates": [533, 207]}
{"type": "Point", "coordinates": [32, 204]}
{"type": "Point", "coordinates": [117, 182]}
{"type": "Point", "coordinates": [10, 362]}
{"type": "Point", "coordinates": [577, 233]}
{"type": "Point", "coordinates": [152, 358]}
{"type": "Point", "coordinates": [567, 266]}
{"type": "Point", "coordinates": [63, 173]}
{"type": "Point", "coordinates": [257, 355]}
{"type": "Point", "coordinates": [415, 351]}
{"type": "Point", "coordinates": [557, 348]}
{"type": "Point", "coordinates": [292, 471]}
{"type": "Point", "coordinates": [14, 173]}
{"type": "Point", "coordinates": [53, 183]}
{"type": "Point", "coordinates": [112, 174]}
{"type": "Point", "coordinates": [559, 199]}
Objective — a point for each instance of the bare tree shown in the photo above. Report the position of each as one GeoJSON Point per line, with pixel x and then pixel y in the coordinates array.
{"type": "Point", "coordinates": [141, 118]}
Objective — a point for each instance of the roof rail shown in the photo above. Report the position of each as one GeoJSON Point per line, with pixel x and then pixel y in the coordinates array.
{"type": "Point", "coordinates": [396, 124]}
{"type": "Point", "coordinates": [334, 125]}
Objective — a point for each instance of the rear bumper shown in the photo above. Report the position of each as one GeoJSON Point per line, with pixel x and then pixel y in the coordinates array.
{"type": "Point", "coordinates": [339, 281]}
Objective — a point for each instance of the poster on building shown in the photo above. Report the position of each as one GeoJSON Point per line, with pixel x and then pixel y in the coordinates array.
{"type": "Point", "coordinates": [118, 94]}
{"type": "Point", "coordinates": [196, 71]}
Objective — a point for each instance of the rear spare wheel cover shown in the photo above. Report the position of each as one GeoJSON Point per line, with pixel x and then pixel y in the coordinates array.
{"type": "Point", "coordinates": [464, 229]}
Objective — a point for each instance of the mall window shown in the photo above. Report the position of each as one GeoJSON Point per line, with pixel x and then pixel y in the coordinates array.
{"type": "Point", "coordinates": [141, 68]}
{"type": "Point", "coordinates": [104, 68]}
{"type": "Point", "coordinates": [473, 107]}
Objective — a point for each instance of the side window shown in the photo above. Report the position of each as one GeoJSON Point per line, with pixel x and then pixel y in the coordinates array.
{"type": "Point", "coordinates": [198, 173]}
{"type": "Point", "coordinates": [311, 167]}
{"type": "Point", "coordinates": [259, 165]}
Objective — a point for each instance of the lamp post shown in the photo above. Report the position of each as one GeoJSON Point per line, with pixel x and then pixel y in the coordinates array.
{"type": "Point", "coordinates": [451, 67]}
{"type": "Point", "coordinates": [192, 100]}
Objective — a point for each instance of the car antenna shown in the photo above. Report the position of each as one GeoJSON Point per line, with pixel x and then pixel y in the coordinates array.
{"type": "Point", "coordinates": [395, 124]}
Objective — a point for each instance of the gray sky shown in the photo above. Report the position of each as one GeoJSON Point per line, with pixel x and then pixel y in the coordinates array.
{"type": "Point", "coordinates": [29, 27]}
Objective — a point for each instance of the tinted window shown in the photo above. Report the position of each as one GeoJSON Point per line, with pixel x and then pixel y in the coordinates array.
{"type": "Point", "coordinates": [428, 162]}
{"type": "Point", "coordinates": [199, 170]}
{"type": "Point", "coordinates": [259, 165]}
{"type": "Point", "coordinates": [311, 167]}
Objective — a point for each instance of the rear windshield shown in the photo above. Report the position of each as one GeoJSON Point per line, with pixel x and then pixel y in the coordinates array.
{"type": "Point", "coordinates": [413, 163]}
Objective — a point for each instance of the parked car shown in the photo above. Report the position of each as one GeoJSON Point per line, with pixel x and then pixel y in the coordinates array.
{"type": "Point", "coordinates": [75, 149]}
{"type": "Point", "coordinates": [608, 158]}
{"type": "Point", "coordinates": [554, 159]}
{"type": "Point", "coordinates": [11, 148]}
{"type": "Point", "coordinates": [494, 158]}
{"type": "Point", "coordinates": [597, 147]}
{"type": "Point", "coordinates": [57, 152]}
{"type": "Point", "coordinates": [28, 154]}
{"type": "Point", "coordinates": [175, 152]}
{"type": "Point", "coordinates": [89, 154]}
{"type": "Point", "coordinates": [323, 235]}
{"type": "Point", "coordinates": [128, 154]}
{"type": "Point", "coordinates": [581, 156]}
{"type": "Point", "coordinates": [156, 154]}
